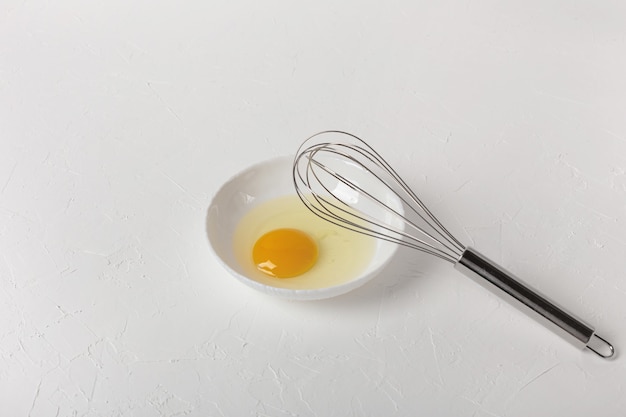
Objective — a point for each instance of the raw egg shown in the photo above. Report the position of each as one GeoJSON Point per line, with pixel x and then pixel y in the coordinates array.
{"type": "Point", "coordinates": [282, 244]}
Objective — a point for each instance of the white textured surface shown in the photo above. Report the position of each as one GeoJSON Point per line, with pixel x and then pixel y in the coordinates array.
{"type": "Point", "coordinates": [119, 119]}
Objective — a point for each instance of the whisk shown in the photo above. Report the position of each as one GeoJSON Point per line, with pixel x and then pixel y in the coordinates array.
{"type": "Point", "coordinates": [341, 179]}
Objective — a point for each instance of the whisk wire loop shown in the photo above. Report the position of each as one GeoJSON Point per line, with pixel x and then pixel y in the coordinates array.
{"type": "Point", "coordinates": [422, 232]}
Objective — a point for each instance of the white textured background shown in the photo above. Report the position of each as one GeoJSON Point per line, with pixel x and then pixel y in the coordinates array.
{"type": "Point", "coordinates": [120, 119]}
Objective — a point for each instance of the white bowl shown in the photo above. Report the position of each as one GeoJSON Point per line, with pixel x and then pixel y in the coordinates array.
{"type": "Point", "coordinates": [255, 185]}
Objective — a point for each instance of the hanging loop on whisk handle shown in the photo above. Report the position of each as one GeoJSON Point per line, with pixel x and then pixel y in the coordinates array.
{"type": "Point", "coordinates": [501, 282]}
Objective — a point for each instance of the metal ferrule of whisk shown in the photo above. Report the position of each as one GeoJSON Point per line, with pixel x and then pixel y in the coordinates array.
{"type": "Point", "coordinates": [341, 179]}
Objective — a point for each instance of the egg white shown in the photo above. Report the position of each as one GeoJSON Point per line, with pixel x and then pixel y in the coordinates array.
{"type": "Point", "coordinates": [343, 254]}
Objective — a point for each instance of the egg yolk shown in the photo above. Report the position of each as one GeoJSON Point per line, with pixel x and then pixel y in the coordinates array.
{"type": "Point", "coordinates": [284, 253]}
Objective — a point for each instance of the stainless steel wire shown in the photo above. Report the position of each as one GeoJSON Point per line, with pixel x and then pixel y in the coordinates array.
{"type": "Point", "coordinates": [328, 162]}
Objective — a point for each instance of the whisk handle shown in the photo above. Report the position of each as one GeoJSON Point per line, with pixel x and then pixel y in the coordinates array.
{"type": "Point", "coordinates": [511, 289]}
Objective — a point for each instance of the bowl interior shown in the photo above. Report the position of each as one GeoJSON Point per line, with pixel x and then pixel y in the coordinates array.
{"type": "Point", "coordinates": [253, 186]}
